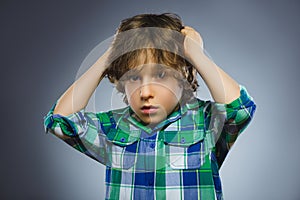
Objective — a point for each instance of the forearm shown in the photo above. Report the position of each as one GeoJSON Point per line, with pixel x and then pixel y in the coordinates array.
{"type": "Point", "coordinates": [222, 87]}
{"type": "Point", "coordinates": [78, 94]}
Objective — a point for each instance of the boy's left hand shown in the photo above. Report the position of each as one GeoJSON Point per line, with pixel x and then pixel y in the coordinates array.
{"type": "Point", "coordinates": [193, 43]}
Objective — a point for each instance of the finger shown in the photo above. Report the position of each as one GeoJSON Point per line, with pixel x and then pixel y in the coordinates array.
{"type": "Point", "coordinates": [186, 33]}
{"type": "Point", "coordinates": [188, 28]}
{"type": "Point", "coordinates": [185, 30]}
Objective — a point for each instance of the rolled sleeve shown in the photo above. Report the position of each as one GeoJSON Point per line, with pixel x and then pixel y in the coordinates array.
{"type": "Point", "coordinates": [70, 125]}
{"type": "Point", "coordinates": [81, 130]}
{"type": "Point", "coordinates": [238, 115]}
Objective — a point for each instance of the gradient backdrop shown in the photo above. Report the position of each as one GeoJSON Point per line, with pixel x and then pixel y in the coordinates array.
{"type": "Point", "coordinates": [43, 44]}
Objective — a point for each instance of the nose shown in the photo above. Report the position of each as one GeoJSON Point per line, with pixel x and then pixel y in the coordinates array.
{"type": "Point", "coordinates": [146, 92]}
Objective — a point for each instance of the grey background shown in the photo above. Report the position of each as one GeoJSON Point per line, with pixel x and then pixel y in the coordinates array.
{"type": "Point", "coordinates": [43, 44]}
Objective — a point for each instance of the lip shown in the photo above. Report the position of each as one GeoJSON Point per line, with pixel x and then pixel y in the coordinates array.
{"type": "Point", "coordinates": [149, 109]}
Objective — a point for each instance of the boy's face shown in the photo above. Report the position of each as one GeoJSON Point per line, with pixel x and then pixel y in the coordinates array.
{"type": "Point", "coordinates": [152, 91]}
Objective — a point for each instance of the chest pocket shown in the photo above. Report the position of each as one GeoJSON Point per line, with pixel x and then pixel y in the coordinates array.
{"type": "Point", "coordinates": [122, 148]}
{"type": "Point", "coordinates": [186, 149]}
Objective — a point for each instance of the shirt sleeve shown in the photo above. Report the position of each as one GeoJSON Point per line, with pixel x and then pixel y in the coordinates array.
{"type": "Point", "coordinates": [239, 113]}
{"type": "Point", "coordinates": [81, 130]}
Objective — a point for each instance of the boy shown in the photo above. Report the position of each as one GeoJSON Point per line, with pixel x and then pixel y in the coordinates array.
{"type": "Point", "coordinates": [166, 144]}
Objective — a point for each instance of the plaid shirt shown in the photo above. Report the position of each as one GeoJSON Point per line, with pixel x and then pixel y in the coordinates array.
{"type": "Point", "coordinates": [178, 159]}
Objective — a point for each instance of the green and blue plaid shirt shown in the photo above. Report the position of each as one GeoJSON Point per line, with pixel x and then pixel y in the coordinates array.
{"type": "Point", "coordinates": [178, 159]}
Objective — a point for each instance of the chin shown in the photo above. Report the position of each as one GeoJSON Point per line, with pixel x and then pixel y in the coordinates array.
{"type": "Point", "coordinates": [151, 122]}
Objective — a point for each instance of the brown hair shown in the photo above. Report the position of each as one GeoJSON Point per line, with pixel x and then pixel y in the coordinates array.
{"type": "Point", "coordinates": [148, 41]}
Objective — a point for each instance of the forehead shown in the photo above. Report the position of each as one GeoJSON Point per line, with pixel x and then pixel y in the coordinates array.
{"type": "Point", "coordinates": [150, 61]}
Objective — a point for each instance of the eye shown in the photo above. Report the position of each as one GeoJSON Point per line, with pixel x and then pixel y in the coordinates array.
{"type": "Point", "coordinates": [161, 74]}
{"type": "Point", "coordinates": [134, 78]}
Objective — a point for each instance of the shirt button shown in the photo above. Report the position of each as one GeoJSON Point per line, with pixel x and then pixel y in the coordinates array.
{"type": "Point", "coordinates": [122, 139]}
{"type": "Point", "coordinates": [152, 145]}
{"type": "Point", "coordinates": [182, 140]}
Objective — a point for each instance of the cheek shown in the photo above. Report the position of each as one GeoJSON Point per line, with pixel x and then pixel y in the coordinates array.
{"type": "Point", "coordinates": [131, 88]}
{"type": "Point", "coordinates": [171, 97]}
{"type": "Point", "coordinates": [175, 85]}
{"type": "Point", "coordinates": [178, 92]}
{"type": "Point", "coordinates": [174, 91]}
{"type": "Point", "coordinates": [131, 95]}
{"type": "Point", "coordinates": [128, 91]}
